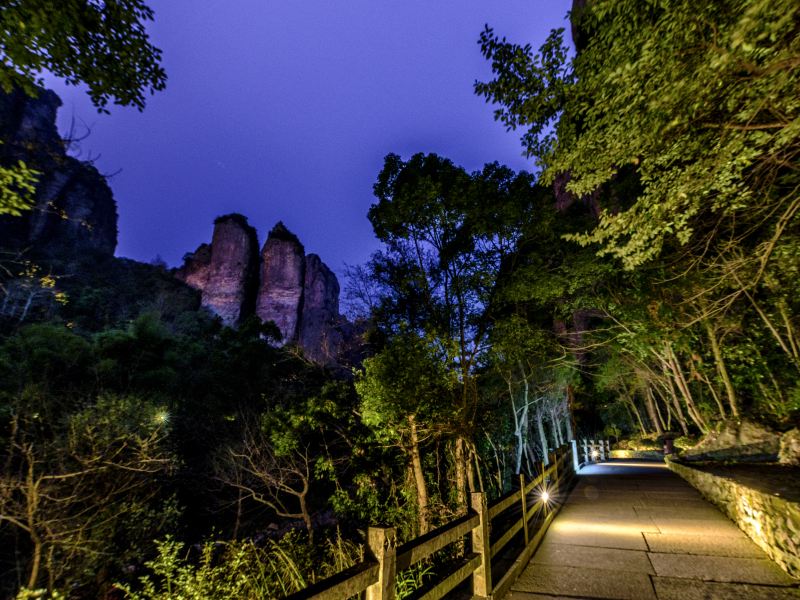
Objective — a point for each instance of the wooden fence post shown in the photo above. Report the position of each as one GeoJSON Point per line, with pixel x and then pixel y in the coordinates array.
{"type": "Point", "coordinates": [382, 542]}
{"type": "Point", "coordinates": [585, 451]}
{"type": "Point", "coordinates": [524, 500]}
{"type": "Point", "coordinates": [482, 577]}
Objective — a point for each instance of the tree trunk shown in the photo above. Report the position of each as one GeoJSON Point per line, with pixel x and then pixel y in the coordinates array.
{"type": "Point", "coordinates": [719, 362]}
{"type": "Point", "coordinates": [36, 562]}
{"type": "Point", "coordinates": [306, 517]}
{"type": "Point", "coordinates": [419, 478]}
{"type": "Point", "coordinates": [569, 418]}
{"type": "Point", "coordinates": [542, 436]}
{"type": "Point", "coordinates": [635, 412]}
{"type": "Point", "coordinates": [676, 405]}
{"type": "Point", "coordinates": [557, 439]}
{"type": "Point", "coordinates": [649, 403]}
{"type": "Point", "coordinates": [461, 474]}
{"type": "Point", "coordinates": [683, 387]}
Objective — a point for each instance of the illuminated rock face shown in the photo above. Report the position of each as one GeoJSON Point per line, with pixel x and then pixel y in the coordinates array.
{"type": "Point", "coordinates": [299, 293]}
{"type": "Point", "coordinates": [738, 440]}
{"type": "Point", "coordinates": [225, 272]}
{"type": "Point", "coordinates": [280, 291]}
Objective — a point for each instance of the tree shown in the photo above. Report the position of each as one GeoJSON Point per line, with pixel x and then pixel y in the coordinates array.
{"type": "Point", "coordinates": [698, 101]}
{"type": "Point", "coordinates": [69, 490]}
{"type": "Point", "coordinates": [104, 45]}
{"type": "Point", "coordinates": [680, 121]}
{"type": "Point", "coordinates": [406, 396]}
{"type": "Point", "coordinates": [447, 234]}
{"type": "Point", "coordinates": [277, 478]}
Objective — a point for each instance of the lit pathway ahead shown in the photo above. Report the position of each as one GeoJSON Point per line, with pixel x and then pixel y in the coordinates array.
{"type": "Point", "coordinates": [635, 530]}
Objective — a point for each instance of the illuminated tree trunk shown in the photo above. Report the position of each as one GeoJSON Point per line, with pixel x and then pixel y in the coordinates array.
{"type": "Point", "coordinates": [676, 405]}
{"type": "Point", "coordinates": [461, 473]}
{"type": "Point", "coordinates": [649, 403]}
{"type": "Point", "coordinates": [719, 362]}
{"type": "Point", "coordinates": [542, 435]}
{"type": "Point", "coordinates": [419, 477]}
{"type": "Point", "coordinates": [633, 411]}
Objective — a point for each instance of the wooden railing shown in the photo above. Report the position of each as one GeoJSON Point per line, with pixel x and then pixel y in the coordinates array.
{"type": "Point", "coordinates": [376, 576]}
{"type": "Point", "coordinates": [592, 451]}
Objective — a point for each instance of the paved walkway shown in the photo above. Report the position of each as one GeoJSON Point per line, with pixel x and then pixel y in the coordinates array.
{"type": "Point", "coordinates": [636, 531]}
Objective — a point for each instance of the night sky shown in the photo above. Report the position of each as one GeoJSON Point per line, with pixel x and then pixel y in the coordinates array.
{"type": "Point", "coordinates": [285, 110]}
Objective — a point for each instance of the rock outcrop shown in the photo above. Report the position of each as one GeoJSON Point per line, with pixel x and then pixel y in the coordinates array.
{"type": "Point", "coordinates": [789, 453]}
{"type": "Point", "coordinates": [196, 266]}
{"type": "Point", "coordinates": [318, 334]}
{"type": "Point", "coordinates": [298, 293]}
{"type": "Point", "coordinates": [744, 441]}
{"type": "Point", "coordinates": [226, 271]}
{"type": "Point", "coordinates": [75, 213]}
{"type": "Point", "coordinates": [280, 291]}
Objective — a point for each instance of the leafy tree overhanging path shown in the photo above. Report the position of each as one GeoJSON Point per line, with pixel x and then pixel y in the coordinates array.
{"type": "Point", "coordinates": [636, 531]}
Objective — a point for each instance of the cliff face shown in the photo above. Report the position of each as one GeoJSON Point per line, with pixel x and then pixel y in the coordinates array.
{"type": "Point", "coordinates": [225, 271]}
{"type": "Point", "coordinates": [280, 292]}
{"type": "Point", "coordinates": [318, 332]}
{"type": "Point", "coordinates": [299, 293]}
{"type": "Point", "coordinates": [75, 212]}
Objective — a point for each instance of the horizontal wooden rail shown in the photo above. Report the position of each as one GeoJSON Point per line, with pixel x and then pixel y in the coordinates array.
{"type": "Point", "coordinates": [346, 584]}
{"type": "Point", "coordinates": [377, 576]}
{"type": "Point", "coordinates": [507, 536]}
{"type": "Point", "coordinates": [468, 565]}
{"type": "Point", "coordinates": [504, 503]}
{"type": "Point", "coordinates": [422, 547]}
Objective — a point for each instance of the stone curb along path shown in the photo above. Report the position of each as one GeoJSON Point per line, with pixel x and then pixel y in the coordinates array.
{"type": "Point", "coordinates": [636, 531]}
{"type": "Point", "coordinates": [772, 522]}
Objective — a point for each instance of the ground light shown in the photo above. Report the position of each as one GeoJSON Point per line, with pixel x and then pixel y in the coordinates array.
{"type": "Point", "coordinates": [595, 454]}
{"type": "Point", "coordinates": [545, 496]}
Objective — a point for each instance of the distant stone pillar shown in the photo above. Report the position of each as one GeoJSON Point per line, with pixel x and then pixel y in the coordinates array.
{"type": "Point", "coordinates": [225, 271]}
{"type": "Point", "coordinates": [281, 287]}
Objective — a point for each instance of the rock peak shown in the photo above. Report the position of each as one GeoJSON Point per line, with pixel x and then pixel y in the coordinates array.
{"type": "Point", "coordinates": [281, 232]}
{"type": "Point", "coordinates": [297, 292]}
{"type": "Point", "coordinates": [225, 271]}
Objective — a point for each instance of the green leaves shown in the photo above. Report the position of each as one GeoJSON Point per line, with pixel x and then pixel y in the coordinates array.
{"type": "Point", "coordinates": [17, 188]}
{"type": "Point", "coordinates": [702, 100]}
{"type": "Point", "coordinates": [102, 44]}
{"type": "Point", "coordinates": [410, 377]}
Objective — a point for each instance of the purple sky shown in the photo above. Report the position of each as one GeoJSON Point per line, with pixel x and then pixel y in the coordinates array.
{"type": "Point", "coordinates": [285, 110]}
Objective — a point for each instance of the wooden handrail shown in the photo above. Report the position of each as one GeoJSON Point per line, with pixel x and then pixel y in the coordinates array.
{"type": "Point", "coordinates": [506, 537]}
{"type": "Point", "coordinates": [348, 583]}
{"type": "Point", "coordinates": [470, 563]}
{"type": "Point", "coordinates": [503, 503]}
{"type": "Point", "coordinates": [422, 547]}
{"type": "Point", "coordinates": [376, 576]}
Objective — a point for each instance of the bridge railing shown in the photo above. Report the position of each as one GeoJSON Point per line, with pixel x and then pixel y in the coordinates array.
{"type": "Point", "coordinates": [535, 503]}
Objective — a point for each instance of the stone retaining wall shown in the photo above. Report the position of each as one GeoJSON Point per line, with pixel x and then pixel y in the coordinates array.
{"type": "Point", "coordinates": [770, 521]}
{"type": "Point", "coordinates": [637, 454]}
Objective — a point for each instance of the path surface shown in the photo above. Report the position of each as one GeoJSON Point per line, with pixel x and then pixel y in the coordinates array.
{"type": "Point", "coordinates": [636, 531]}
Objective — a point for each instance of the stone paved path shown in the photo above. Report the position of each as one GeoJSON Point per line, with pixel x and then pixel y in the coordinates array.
{"type": "Point", "coordinates": [636, 531]}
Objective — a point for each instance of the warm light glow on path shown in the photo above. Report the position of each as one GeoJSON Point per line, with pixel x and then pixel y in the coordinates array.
{"type": "Point", "coordinates": [633, 530]}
